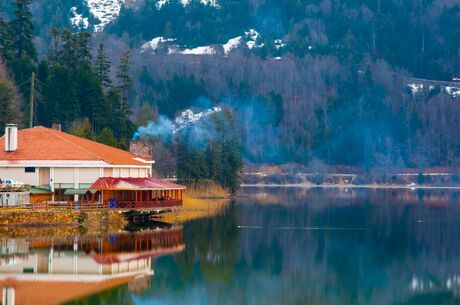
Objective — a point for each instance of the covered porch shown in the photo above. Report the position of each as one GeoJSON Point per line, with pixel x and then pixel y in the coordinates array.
{"type": "Point", "coordinates": [135, 193]}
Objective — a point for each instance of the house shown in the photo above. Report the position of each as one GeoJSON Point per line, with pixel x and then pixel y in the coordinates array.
{"type": "Point", "coordinates": [55, 270]}
{"type": "Point", "coordinates": [67, 165]}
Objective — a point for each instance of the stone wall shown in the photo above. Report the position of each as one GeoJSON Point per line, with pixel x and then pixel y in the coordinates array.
{"type": "Point", "coordinates": [96, 222]}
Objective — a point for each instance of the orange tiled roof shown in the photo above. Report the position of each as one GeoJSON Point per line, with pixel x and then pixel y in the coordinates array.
{"type": "Point", "coordinates": [41, 143]}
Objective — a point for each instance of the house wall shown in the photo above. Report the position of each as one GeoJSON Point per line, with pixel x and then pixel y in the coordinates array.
{"type": "Point", "coordinates": [64, 175]}
{"type": "Point", "coordinates": [73, 263]}
{"type": "Point", "coordinates": [19, 174]}
{"type": "Point", "coordinates": [36, 198]}
{"type": "Point", "coordinates": [70, 177]}
{"type": "Point", "coordinates": [89, 175]}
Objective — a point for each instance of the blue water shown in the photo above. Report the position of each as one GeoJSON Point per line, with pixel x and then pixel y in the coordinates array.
{"type": "Point", "coordinates": [319, 246]}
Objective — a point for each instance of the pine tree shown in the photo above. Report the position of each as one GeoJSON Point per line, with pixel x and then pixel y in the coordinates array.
{"type": "Point", "coordinates": [83, 42]}
{"type": "Point", "coordinates": [10, 108]}
{"type": "Point", "coordinates": [102, 67]}
{"type": "Point", "coordinates": [5, 40]}
{"type": "Point", "coordinates": [67, 55]}
{"type": "Point", "coordinates": [60, 97]}
{"type": "Point", "coordinates": [125, 81]}
{"type": "Point", "coordinates": [122, 127]}
{"type": "Point", "coordinates": [91, 97]}
{"type": "Point", "coordinates": [23, 31]}
{"type": "Point", "coordinates": [107, 137]}
{"type": "Point", "coordinates": [83, 129]}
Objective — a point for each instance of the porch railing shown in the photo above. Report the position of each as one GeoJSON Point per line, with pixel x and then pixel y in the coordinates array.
{"type": "Point", "coordinates": [146, 204]}
{"type": "Point", "coordinates": [86, 206]}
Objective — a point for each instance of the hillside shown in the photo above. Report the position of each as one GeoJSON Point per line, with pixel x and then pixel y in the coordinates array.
{"type": "Point", "coordinates": [359, 82]}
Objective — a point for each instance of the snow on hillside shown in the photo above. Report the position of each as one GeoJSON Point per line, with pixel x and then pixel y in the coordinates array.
{"type": "Point", "coordinates": [232, 44]}
{"type": "Point", "coordinates": [105, 11]}
{"type": "Point", "coordinates": [214, 3]}
{"type": "Point", "coordinates": [155, 43]}
{"type": "Point", "coordinates": [250, 38]}
{"type": "Point", "coordinates": [454, 91]}
{"type": "Point", "coordinates": [279, 44]}
{"type": "Point", "coordinates": [204, 50]}
{"type": "Point", "coordinates": [188, 117]}
{"type": "Point", "coordinates": [419, 87]}
{"type": "Point", "coordinates": [78, 20]}
{"type": "Point", "coordinates": [415, 88]}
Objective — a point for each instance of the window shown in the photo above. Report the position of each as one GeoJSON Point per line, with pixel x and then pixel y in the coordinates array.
{"type": "Point", "coordinates": [29, 169]}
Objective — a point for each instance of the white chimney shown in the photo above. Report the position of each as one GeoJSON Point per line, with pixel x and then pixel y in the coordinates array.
{"type": "Point", "coordinates": [11, 137]}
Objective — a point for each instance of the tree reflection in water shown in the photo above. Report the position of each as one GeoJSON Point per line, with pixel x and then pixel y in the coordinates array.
{"type": "Point", "coordinates": [317, 246]}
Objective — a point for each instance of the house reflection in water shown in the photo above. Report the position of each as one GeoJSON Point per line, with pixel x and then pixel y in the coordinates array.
{"type": "Point", "coordinates": [56, 270]}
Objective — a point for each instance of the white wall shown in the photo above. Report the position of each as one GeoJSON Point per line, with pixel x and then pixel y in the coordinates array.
{"type": "Point", "coordinates": [89, 175]}
{"type": "Point", "coordinates": [124, 173]}
{"type": "Point", "coordinates": [19, 174]}
{"type": "Point", "coordinates": [67, 175]}
{"type": "Point", "coordinates": [64, 175]}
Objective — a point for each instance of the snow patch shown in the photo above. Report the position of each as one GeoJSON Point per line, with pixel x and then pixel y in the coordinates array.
{"type": "Point", "coordinates": [279, 44]}
{"type": "Point", "coordinates": [214, 3]}
{"type": "Point", "coordinates": [232, 44]}
{"type": "Point", "coordinates": [160, 3]}
{"type": "Point", "coordinates": [203, 50]}
{"type": "Point", "coordinates": [454, 91]}
{"type": "Point", "coordinates": [188, 117]}
{"type": "Point", "coordinates": [417, 87]}
{"type": "Point", "coordinates": [78, 20]}
{"type": "Point", "coordinates": [105, 11]}
{"type": "Point", "coordinates": [251, 39]}
{"type": "Point", "coordinates": [155, 43]}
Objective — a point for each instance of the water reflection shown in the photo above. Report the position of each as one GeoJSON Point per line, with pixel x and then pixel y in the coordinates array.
{"type": "Point", "coordinates": [321, 246]}
{"type": "Point", "coordinates": [53, 270]}
{"type": "Point", "coordinates": [297, 246]}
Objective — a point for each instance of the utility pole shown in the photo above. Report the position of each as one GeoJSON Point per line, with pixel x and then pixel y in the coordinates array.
{"type": "Point", "coordinates": [31, 105]}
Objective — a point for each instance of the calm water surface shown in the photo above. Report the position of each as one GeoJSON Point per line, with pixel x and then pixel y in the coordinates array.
{"type": "Point", "coordinates": [318, 246]}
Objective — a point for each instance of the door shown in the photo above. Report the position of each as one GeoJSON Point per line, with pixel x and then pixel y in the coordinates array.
{"type": "Point", "coordinates": [44, 177]}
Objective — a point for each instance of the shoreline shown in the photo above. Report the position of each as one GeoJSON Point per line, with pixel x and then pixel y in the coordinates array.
{"type": "Point", "coordinates": [345, 186]}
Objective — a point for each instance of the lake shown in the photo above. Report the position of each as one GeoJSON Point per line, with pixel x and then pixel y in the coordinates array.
{"type": "Point", "coordinates": [271, 246]}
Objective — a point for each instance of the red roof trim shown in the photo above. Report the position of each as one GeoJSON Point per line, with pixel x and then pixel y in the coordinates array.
{"type": "Point", "coordinates": [135, 184]}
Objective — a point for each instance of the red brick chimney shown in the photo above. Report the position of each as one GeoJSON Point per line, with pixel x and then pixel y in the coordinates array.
{"type": "Point", "coordinates": [56, 126]}
{"type": "Point", "coordinates": [140, 148]}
